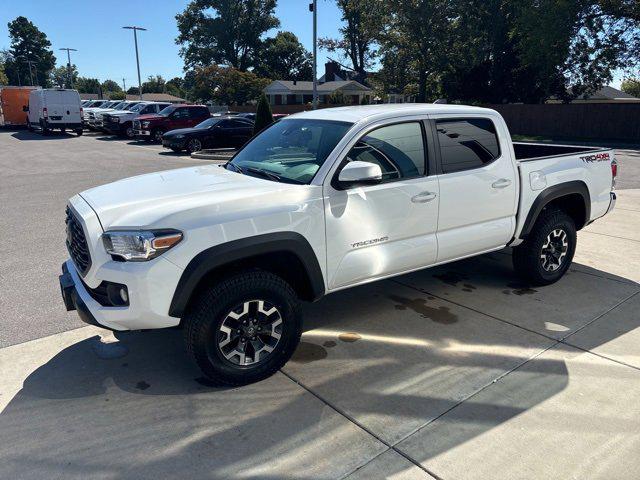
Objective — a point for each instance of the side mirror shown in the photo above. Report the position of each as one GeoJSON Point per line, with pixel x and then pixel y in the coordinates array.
{"type": "Point", "coordinates": [25, 108]}
{"type": "Point", "coordinates": [359, 173]}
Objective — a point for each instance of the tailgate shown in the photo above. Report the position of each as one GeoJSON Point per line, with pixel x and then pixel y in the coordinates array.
{"type": "Point", "coordinates": [591, 168]}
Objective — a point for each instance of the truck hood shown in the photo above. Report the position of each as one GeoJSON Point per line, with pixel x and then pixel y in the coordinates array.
{"type": "Point", "coordinates": [187, 198]}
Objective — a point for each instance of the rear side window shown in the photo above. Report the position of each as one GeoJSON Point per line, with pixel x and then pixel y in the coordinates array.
{"type": "Point", "coordinates": [199, 112]}
{"type": "Point", "coordinates": [397, 149]}
{"type": "Point", "coordinates": [181, 113]}
{"type": "Point", "coordinates": [467, 143]}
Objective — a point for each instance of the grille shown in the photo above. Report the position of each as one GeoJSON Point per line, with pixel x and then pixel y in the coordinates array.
{"type": "Point", "coordinates": [77, 243]}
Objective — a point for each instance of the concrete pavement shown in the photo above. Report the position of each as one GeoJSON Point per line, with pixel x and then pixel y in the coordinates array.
{"type": "Point", "coordinates": [457, 372]}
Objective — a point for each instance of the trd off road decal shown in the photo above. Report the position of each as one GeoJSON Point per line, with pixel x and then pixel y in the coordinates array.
{"type": "Point", "coordinates": [596, 157]}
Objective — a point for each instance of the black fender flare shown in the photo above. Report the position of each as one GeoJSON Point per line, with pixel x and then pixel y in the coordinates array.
{"type": "Point", "coordinates": [235, 250]}
{"type": "Point", "coordinates": [551, 193]}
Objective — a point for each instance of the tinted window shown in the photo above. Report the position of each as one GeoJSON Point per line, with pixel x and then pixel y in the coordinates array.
{"type": "Point", "coordinates": [292, 149]}
{"type": "Point", "coordinates": [181, 113]}
{"type": "Point", "coordinates": [199, 112]}
{"type": "Point", "coordinates": [467, 143]}
{"type": "Point", "coordinates": [167, 110]}
{"type": "Point", "coordinates": [240, 123]}
{"type": "Point", "coordinates": [397, 149]}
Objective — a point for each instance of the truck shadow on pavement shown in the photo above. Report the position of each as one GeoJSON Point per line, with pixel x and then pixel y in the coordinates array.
{"type": "Point", "coordinates": [394, 355]}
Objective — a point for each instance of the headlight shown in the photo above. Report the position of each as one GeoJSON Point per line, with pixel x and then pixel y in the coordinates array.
{"type": "Point", "coordinates": [140, 246]}
{"type": "Point", "coordinates": [145, 124]}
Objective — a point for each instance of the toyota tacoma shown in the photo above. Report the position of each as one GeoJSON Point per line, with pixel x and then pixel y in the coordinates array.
{"type": "Point", "coordinates": [318, 202]}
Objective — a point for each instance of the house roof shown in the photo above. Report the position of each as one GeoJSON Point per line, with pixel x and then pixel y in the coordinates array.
{"type": "Point", "coordinates": [610, 93]}
{"type": "Point", "coordinates": [305, 86]}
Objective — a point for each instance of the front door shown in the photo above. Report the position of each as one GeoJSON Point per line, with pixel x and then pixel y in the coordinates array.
{"type": "Point", "coordinates": [478, 186]}
{"type": "Point", "coordinates": [379, 230]}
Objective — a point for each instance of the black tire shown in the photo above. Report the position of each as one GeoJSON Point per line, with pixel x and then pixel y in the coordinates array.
{"type": "Point", "coordinates": [79, 132]}
{"type": "Point", "coordinates": [552, 230]}
{"type": "Point", "coordinates": [63, 129]}
{"type": "Point", "coordinates": [194, 145]}
{"type": "Point", "coordinates": [128, 132]}
{"type": "Point", "coordinates": [175, 149]}
{"type": "Point", "coordinates": [156, 135]}
{"type": "Point", "coordinates": [211, 312]}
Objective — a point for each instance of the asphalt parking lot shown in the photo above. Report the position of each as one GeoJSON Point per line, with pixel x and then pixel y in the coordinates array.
{"type": "Point", "coordinates": [457, 372]}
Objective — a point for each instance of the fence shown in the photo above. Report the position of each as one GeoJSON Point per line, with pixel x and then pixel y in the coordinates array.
{"type": "Point", "coordinates": [618, 122]}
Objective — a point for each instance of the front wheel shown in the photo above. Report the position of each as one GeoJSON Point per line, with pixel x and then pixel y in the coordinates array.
{"type": "Point", "coordinates": [79, 132]}
{"type": "Point", "coordinates": [194, 145]}
{"type": "Point", "coordinates": [546, 254]}
{"type": "Point", "coordinates": [157, 135]}
{"type": "Point", "coordinates": [244, 328]}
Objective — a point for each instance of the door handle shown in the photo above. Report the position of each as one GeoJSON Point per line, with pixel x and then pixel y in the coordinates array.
{"type": "Point", "coordinates": [424, 197]}
{"type": "Point", "coordinates": [502, 183]}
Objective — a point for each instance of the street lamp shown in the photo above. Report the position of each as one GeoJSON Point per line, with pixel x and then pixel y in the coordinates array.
{"type": "Point", "coordinates": [314, 8]}
{"type": "Point", "coordinates": [69, 76]}
{"type": "Point", "coordinates": [135, 39]}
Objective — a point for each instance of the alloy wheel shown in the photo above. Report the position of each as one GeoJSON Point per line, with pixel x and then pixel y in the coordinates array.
{"type": "Point", "coordinates": [554, 250]}
{"type": "Point", "coordinates": [250, 332]}
{"type": "Point", "coordinates": [195, 145]}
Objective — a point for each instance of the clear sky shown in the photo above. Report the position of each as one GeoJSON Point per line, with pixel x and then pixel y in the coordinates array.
{"type": "Point", "coordinates": [106, 51]}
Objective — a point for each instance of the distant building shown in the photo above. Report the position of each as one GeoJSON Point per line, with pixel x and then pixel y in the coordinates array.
{"type": "Point", "coordinates": [604, 95]}
{"type": "Point", "coordinates": [295, 92]}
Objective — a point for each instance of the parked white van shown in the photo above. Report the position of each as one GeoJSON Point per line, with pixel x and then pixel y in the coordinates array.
{"type": "Point", "coordinates": [51, 108]}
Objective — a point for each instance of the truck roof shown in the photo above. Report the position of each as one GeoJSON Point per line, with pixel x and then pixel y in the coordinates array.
{"type": "Point", "coordinates": [389, 110]}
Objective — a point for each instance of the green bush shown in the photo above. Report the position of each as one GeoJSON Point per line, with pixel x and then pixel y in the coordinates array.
{"type": "Point", "coordinates": [264, 118]}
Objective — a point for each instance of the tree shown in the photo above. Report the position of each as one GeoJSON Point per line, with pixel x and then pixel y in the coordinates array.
{"type": "Point", "coordinates": [132, 91]}
{"type": "Point", "coordinates": [3, 77]}
{"type": "Point", "coordinates": [88, 85]}
{"type": "Point", "coordinates": [363, 22]}
{"type": "Point", "coordinates": [283, 57]}
{"type": "Point", "coordinates": [154, 84]}
{"type": "Point", "coordinates": [227, 85]}
{"type": "Point", "coordinates": [176, 87]}
{"type": "Point", "coordinates": [119, 95]}
{"type": "Point", "coordinates": [225, 32]}
{"type": "Point", "coordinates": [60, 76]}
{"type": "Point", "coordinates": [629, 85]}
{"type": "Point", "coordinates": [28, 44]}
{"type": "Point", "coordinates": [111, 86]}
{"type": "Point", "coordinates": [264, 117]}
{"type": "Point", "coordinates": [423, 31]}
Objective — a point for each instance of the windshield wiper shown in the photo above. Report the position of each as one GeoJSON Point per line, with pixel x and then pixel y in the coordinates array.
{"type": "Point", "coordinates": [235, 167]}
{"type": "Point", "coordinates": [270, 175]}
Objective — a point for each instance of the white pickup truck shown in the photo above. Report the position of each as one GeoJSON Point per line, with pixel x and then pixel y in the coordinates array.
{"type": "Point", "coordinates": [318, 202]}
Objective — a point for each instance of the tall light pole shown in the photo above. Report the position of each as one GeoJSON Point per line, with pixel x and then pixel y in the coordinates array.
{"type": "Point", "coordinates": [29, 62]}
{"type": "Point", "coordinates": [124, 87]}
{"type": "Point", "coordinates": [135, 39]}
{"type": "Point", "coordinates": [69, 75]}
{"type": "Point", "coordinates": [314, 8]}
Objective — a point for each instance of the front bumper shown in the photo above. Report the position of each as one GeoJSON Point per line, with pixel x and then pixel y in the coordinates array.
{"type": "Point", "coordinates": [174, 143]}
{"type": "Point", "coordinates": [151, 286]}
{"type": "Point", "coordinates": [142, 133]}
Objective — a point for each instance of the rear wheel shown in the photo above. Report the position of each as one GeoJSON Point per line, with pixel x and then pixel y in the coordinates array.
{"type": "Point", "coordinates": [79, 131]}
{"type": "Point", "coordinates": [546, 254]}
{"type": "Point", "coordinates": [244, 328]}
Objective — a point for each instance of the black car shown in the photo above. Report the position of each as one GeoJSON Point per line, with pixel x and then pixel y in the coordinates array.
{"type": "Point", "coordinates": [215, 132]}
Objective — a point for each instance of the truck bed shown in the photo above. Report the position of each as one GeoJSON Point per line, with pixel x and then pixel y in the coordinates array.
{"type": "Point", "coordinates": [530, 151]}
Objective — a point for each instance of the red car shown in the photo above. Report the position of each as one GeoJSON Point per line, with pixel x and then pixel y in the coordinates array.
{"type": "Point", "coordinates": [152, 127]}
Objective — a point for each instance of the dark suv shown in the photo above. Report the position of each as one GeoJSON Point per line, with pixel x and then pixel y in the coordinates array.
{"type": "Point", "coordinates": [152, 127]}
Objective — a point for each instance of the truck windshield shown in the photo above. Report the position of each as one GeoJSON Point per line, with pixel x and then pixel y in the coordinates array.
{"type": "Point", "coordinates": [291, 150]}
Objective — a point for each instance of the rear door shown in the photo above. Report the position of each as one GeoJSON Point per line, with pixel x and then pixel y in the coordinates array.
{"type": "Point", "coordinates": [179, 119]}
{"type": "Point", "coordinates": [478, 185]}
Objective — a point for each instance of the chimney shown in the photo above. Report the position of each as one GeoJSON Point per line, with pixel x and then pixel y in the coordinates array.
{"type": "Point", "coordinates": [331, 69]}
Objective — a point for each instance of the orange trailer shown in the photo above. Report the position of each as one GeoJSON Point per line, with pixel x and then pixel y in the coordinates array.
{"type": "Point", "coordinates": [12, 103]}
